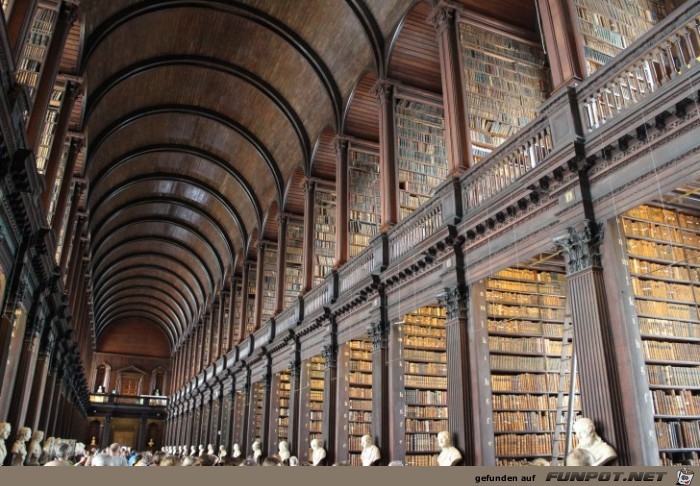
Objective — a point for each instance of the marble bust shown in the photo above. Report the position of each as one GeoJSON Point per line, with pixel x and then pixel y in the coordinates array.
{"type": "Point", "coordinates": [370, 452]}
{"type": "Point", "coordinates": [210, 449]}
{"type": "Point", "coordinates": [5, 430]}
{"type": "Point", "coordinates": [257, 450]}
{"type": "Point", "coordinates": [236, 451]}
{"type": "Point", "coordinates": [449, 456]}
{"type": "Point", "coordinates": [600, 451]}
{"type": "Point", "coordinates": [283, 451]}
{"type": "Point", "coordinates": [222, 452]}
{"type": "Point", "coordinates": [34, 449]}
{"type": "Point", "coordinates": [19, 450]}
{"type": "Point", "coordinates": [318, 456]}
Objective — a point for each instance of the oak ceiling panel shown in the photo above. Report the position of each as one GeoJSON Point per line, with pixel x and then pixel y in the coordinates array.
{"type": "Point", "coordinates": [196, 195]}
{"type": "Point", "coordinates": [267, 125]}
{"type": "Point", "coordinates": [327, 25]}
{"type": "Point", "coordinates": [179, 215]}
{"type": "Point", "coordinates": [362, 120]}
{"type": "Point", "coordinates": [388, 14]}
{"type": "Point", "coordinates": [415, 57]}
{"type": "Point", "coordinates": [208, 33]}
{"type": "Point", "coordinates": [173, 132]}
{"type": "Point", "coordinates": [324, 161]}
{"type": "Point", "coordinates": [294, 194]}
{"type": "Point", "coordinates": [520, 13]}
{"type": "Point", "coordinates": [169, 165]}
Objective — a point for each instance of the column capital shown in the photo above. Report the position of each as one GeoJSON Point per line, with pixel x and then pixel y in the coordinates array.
{"type": "Point", "coordinates": [581, 245]}
{"type": "Point", "coordinates": [309, 186]}
{"type": "Point", "coordinates": [382, 90]}
{"type": "Point", "coordinates": [378, 333]}
{"type": "Point", "coordinates": [340, 144]}
{"type": "Point", "coordinates": [454, 299]}
{"type": "Point", "coordinates": [441, 16]}
{"type": "Point", "coordinates": [330, 355]}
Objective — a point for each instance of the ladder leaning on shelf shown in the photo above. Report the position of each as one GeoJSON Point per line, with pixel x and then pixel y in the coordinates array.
{"type": "Point", "coordinates": [566, 396]}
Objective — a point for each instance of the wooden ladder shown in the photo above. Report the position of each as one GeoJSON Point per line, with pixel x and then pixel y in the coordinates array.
{"type": "Point", "coordinates": [566, 394]}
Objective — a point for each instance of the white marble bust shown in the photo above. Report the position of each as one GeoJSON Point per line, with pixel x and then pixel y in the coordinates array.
{"type": "Point", "coordinates": [222, 452]}
{"type": "Point", "coordinates": [19, 450]}
{"type": "Point", "coordinates": [600, 451]}
{"type": "Point", "coordinates": [236, 451]}
{"type": "Point", "coordinates": [257, 450]}
{"type": "Point", "coordinates": [283, 451]}
{"type": "Point", "coordinates": [318, 455]}
{"type": "Point", "coordinates": [5, 429]}
{"type": "Point", "coordinates": [34, 449]}
{"type": "Point", "coordinates": [370, 452]}
{"type": "Point", "coordinates": [210, 450]}
{"type": "Point", "coordinates": [449, 456]}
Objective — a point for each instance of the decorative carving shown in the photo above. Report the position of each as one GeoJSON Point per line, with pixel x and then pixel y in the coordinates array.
{"type": "Point", "coordinates": [382, 90]}
{"type": "Point", "coordinates": [379, 333]}
{"type": "Point", "coordinates": [581, 246]}
{"type": "Point", "coordinates": [309, 187]}
{"type": "Point", "coordinates": [330, 355]}
{"type": "Point", "coordinates": [455, 301]}
{"type": "Point", "coordinates": [441, 16]}
{"type": "Point", "coordinates": [340, 144]}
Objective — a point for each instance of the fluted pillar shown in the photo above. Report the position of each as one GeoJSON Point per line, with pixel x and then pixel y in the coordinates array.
{"type": "Point", "coordinates": [383, 90]}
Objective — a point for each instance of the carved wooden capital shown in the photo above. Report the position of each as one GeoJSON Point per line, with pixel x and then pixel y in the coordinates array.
{"type": "Point", "coordinates": [382, 90]}
{"type": "Point", "coordinates": [441, 16]}
{"type": "Point", "coordinates": [378, 333]}
{"type": "Point", "coordinates": [455, 302]}
{"type": "Point", "coordinates": [330, 355]}
{"type": "Point", "coordinates": [581, 246]}
{"type": "Point", "coordinates": [340, 144]}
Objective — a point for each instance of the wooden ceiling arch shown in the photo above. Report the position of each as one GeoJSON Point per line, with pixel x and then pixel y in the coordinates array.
{"type": "Point", "coordinates": [199, 119]}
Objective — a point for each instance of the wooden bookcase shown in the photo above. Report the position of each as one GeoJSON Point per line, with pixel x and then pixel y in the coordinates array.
{"type": "Point", "coordinates": [364, 203]}
{"type": "Point", "coordinates": [505, 85]}
{"type": "Point", "coordinates": [425, 383]}
{"type": "Point", "coordinates": [324, 233]}
{"type": "Point", "coordinates": [36, 48]}
{"type": "Point", "coordinates": [663, 254]}
{"type": "Point", "coordinates": [256, 410]}
{"type": "Point", "coordinates": [252, 274]}
{"type": "Point", "coordinates": [525, 319]}
{"type": "Point", "coordinates": [226, 327]}
{"type": "Point", "coordinates": [237, 421]}
{"type": "Point", "coordinates": [293, 271]}
{"type": "Point", "coordinates": [358, 383]}
{"type": "Point", "coordinates": [269, 295]}
{"type": "Point", "coordinates": [608, 27]}
{"type": "Point", "coordinates": [284, 387]}
{"type": "Point", "coordinates": [47, 133]}
{"type": "Point", "coordinates": [420, 142]}
{"type": "Point", "coordinates": [237, 314]}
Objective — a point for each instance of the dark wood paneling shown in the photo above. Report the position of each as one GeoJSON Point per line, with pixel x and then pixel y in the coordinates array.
{"type": "Point", "coordinates": [134, 337]}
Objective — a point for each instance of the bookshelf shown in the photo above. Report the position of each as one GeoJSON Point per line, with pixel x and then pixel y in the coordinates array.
{"type": "Point", "coordinates": [226, 327]}
{"type": "Point", "coordinates": [48, 131]}
{"type": "Point", "coordinates": [316, 373]}
{"type": "Point", "coordinates": [425, 383]}
{"type": "Point", "coordinates": [258, 391]}
{"type": "Point", "coordinates": [237, 421]}
{"type": "Point", "coordinates": [364, 199]}
{"type": "Point", "coordinates": [525, 321]}
{"type": "Point", "coordinates": [420, 142]}
{"type": "Point", "coordinates": [237, 306]}
{"type": "Point", "coordinates": [608, 27]}
{"type": "Point", "coordinates": [505, 85]}
{"type": "Point", "coordinates": [359, 392]}
{"type": "Point", "coordinates": [36, 48]}
{"type": "Point", "coordinates": [293, 271]}
{"type": "Point", "coordinates": [250, 303]}
{"type": "Point", "coordinates": [663, 254]}
{"type": "Point", "coordinates": [269, 295]}
{"type": "Point", "coordinates": [324, 233]}
{"type": "Point", "coordinates": [284, 387]}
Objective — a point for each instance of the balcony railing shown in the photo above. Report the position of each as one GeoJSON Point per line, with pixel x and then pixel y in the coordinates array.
{"type": "Point", "coordinates": [129, 400]}
{"type": "Point", "coordinates": [665, 57]}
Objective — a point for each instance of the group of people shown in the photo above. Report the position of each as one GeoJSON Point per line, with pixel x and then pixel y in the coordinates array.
{"type": "Point", "coordinates": [592, 450]}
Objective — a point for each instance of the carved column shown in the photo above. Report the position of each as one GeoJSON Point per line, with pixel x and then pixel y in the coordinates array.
{"type": "Point", "coordinates": [267, 392]}
{"type": "Point", "coordinates": [246, 413]}
{"type": "Point", "coordinates": [341, 145]}
{"type": "Point", "coordinates": [205, 418]}
{"type": "Point", "coordinates": [309, 236]}
{"type": "Point", "coordinates": [27, 364]}
{"type": "Point", "coordinates": [461, 421]}
{"type": "Point", "coordinates": [383, 90]}
{"type": "Point", "coordinates": [330, 357]}
{"type": "Point", "coordinates": [66, 184]}
{"type": "Point", "coordinates": [564, 43]}
{"type": "Point", "coordinates": [244, 301]}
{"type": "Point", "coordinates": [39, 387]}
{"type": "Point", "coordinates": [593, 343]}
{"type": "Point", "coordinates": [220, 324]}
{"type": "Point", "coordinates": [378, 332]}
{"type": "Point", "coordinates": [66, 16]}
{"type": "Point", "coordinates": [444, 18]}
{"type": "Point", "coordinates": [281, 262]}
{"type": "Point", "coordinates": [215, 434]}
{"type": "Point", "coordinates": [19, 24]}
{"type": "Point", "coordinates": [56, 154]}
{"type": "Point", "coordinates": [259, 276]}
{"type": "Point", "coordinates": [231, 314]}
{"type": "Point", "coordinates": [294, 398]}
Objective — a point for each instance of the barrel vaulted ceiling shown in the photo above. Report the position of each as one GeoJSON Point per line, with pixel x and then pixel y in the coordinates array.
{"type": "Point", "coordinates": [201, 117]}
